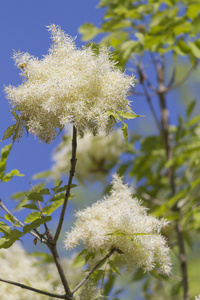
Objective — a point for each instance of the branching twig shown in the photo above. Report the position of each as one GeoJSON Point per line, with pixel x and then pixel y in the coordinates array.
{"type": "Point", "coordinates": [71, 175]}
{"type": "Point", "coordinates": [22, 224]}
{"type": "Point", "coordinates": [92, 271]}
{"type": "Point", "coordinates": [23, 286]}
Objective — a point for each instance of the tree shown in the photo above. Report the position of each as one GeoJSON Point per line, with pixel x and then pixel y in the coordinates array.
{"type": "Point", "coordinates": [117, 230]}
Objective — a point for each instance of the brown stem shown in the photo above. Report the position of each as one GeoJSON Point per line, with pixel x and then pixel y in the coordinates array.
{"type": "Point", "coordinates": [169, 153]}
{"type": "Point", "coordinates": [71, 175]}
{"type": "Point", "coordinates": [96, 267]}
{"type": "Point", "coordinates": [57, 261]}
{"type": "Point", "coordinates": [23, 286]}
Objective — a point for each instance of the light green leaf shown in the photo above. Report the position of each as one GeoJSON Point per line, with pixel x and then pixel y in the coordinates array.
{"type": "Point", "coordinates": [9, 218]}
{"type": "Point", "coordinates": [50, 208]}
{"type": "Point", "coordinates": [4, 228]}
{"type": "Point", "coordinates": [89, 31]}
{"type": "Point", "coordinates": [32, 217]}
{"type": "Point", "coordinates": [195, 49]}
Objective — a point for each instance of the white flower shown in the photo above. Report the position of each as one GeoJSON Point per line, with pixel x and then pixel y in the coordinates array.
{"type": "Point", "coordinates": [17, 265]}
{"type": "Point", "coordinates": [197, 297]}
{"type": "Point", "coordinates": [68, 85]}
{"type": "Point", "coordinates": [119, 221]}
{"type": "Point", "coordinates": [95, 156]}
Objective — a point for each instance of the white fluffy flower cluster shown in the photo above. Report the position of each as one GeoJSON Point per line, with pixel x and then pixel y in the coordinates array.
{"type": "Point", "coordinates": [68, 85]}
{"type": "Point", "coordinates": [119, 221]}
{"type": "Point", "coordinates": [18, 266]}
{"type": "Point", "coordinates": [197, 297]}
{"type": "Point", "coordinates": [96, 155]}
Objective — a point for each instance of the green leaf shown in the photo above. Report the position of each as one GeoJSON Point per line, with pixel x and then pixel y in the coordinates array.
{"type": "Point", "coordinates": [9, 218]}
{"type": "Point", "coordinates": [115, 115]}
{"type": "Point", "coordinates": [50, 208]}
{"type": "Point", "coordinates": [45, 192]}
{"type": "Point", "coordinates": [4, 228]}
{"type": "Point", "coordinates": [34, 196]}
{"type": "Point", "coordinates": [195, 49]}
{"type": "Point", "coordinates": [113, 267]}
{"type": "Point", "coordinates": [125, 132]}
{"type": "Point", "coordinates": [64, 188]}
{"type": "Point", "coordinates": [127, 115]}
{"type": "Point", "coordinates": [58, 197]}
{"type": "Point", "coordinates": [57, 187]}
{"type": "Point", "coordinates": [9, 132]}
{"type": "Point", "coordinates": [32, 217]}
{"type": "Point", "coordinates": [89, 31]}
{"type": "Point", "coordinates": [31, 206]}
{"type": "Point", "coordinates": [190, 108]}
{"type": "Point", "coordinates": [35, 224]}
{"type": "Point", "coordinates": [5, 151]}
{"type": "Point", "coordinates": [79, 261]}
{"type": "Point", "coordinates": [8, 240]}
{"type": "Point", "coordinates": [139, 274]}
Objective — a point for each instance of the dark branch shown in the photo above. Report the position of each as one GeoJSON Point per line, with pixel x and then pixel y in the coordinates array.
{"type": "Point", "coordinates": [71, 175]}
{"type": "Point", "coordinates": [23, 286]}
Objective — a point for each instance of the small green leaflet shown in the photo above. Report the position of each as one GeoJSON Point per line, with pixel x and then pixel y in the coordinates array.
{"type": "Point", "coordinates": [35, 224]}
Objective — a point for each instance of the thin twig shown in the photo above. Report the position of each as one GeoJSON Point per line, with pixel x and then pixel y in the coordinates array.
{"type": "Point", "coordinates": [96, 267]}
{"type": "Point", "coordinates": [23, 286]}
{"type": "Point", "coordinates": [18, 221]}
{"type": "Point", "coordinates": [71, 175]}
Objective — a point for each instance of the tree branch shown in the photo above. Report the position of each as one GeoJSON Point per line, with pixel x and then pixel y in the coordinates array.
{"type": "Point", "coordinates": [71, 175]}
{"type": "Point", "coordinates": [96, 267]}
{"type": "Point", "coordinates": [57, 261]}
{"type": "Point", "coordinates": [23, 286]}
{"type": "Point", "coordinates": [169, 154]}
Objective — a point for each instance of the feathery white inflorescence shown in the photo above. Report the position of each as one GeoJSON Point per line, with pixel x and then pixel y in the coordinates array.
{"type": "Point", "coordinates": [68, 86]}
{"type": "Point", "coordinates": [19, 266]}
{"type": "Point", "coordinates": [95, 156]}
{"type": "Point", "coordinates": [119, 221]}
